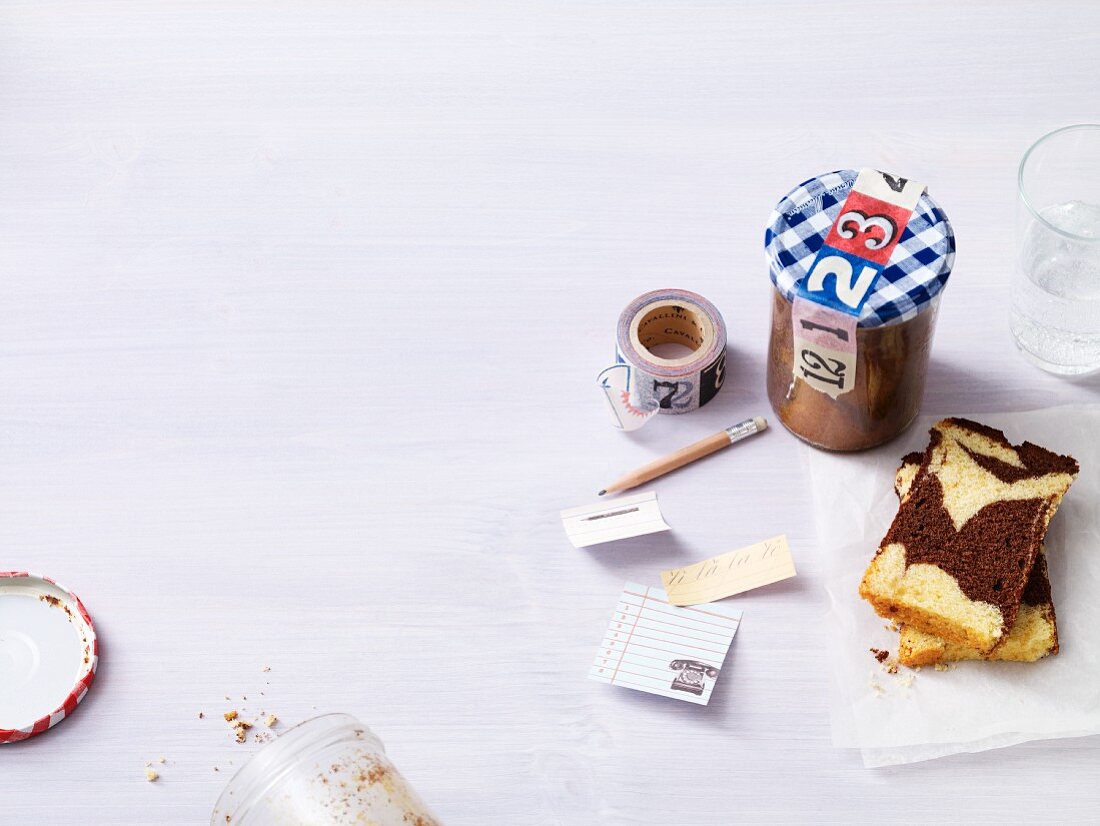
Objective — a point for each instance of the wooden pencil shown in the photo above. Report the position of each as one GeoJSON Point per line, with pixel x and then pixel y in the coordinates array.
{"type": "Point", "coordinates": [687, 455]}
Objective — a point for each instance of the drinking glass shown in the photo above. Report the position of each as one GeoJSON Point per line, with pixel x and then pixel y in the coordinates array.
{"type": "Point", "coordinates": [1055, 312]}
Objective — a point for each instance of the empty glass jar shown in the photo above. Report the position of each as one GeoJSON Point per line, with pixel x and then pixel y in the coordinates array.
{"type": "Point", "coordinates": [328, 770]}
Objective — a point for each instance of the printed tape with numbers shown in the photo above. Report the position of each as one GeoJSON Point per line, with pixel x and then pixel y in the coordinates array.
{"type": "Point", "coordinates": [642, 384]}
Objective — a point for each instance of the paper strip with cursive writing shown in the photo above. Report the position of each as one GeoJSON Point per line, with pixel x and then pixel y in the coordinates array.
{"type": "Point", "coordinates": [731, 573]}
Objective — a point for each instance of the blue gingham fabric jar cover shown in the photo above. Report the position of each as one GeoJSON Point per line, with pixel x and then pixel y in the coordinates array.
{"type": "Point", "coordinates": [918, 268]}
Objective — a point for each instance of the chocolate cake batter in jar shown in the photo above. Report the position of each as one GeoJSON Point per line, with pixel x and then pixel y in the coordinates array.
{"type": "Point", "coordinates": [895, 326]}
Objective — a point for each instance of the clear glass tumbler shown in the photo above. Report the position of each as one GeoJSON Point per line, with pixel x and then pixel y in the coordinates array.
{"type": "Point", "coordinates": [326, 771]}
{"type": "Point", "coordinates": [1055, 313]}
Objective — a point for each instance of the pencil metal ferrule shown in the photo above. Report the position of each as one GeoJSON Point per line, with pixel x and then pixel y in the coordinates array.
{"type": "Point", "coordinates": [741, 430]}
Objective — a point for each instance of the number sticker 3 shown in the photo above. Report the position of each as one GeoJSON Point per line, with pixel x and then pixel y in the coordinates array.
{"type": "Point", "coordinates": [863, 224]}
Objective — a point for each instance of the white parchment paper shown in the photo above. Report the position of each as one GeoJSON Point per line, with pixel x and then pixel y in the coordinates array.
{"type": "Point", "coordinates": [974, 706]}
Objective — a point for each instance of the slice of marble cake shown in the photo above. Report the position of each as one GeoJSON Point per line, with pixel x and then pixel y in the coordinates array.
{"type": "Point", "coordinates": [1033, 636]}
{"type": "Point", "coordinates": [959, 553]}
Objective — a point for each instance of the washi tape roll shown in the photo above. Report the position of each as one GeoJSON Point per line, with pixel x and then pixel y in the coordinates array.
{"type": "Point", "coordinates": [642, 383]}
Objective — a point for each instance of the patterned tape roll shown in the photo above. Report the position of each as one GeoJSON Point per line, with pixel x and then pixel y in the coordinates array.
{"type": "Point", "coordinates": [643, 384]}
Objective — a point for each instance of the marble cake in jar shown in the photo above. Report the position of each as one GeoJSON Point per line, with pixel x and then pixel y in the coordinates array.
{"type": "Point", "coordinates": [895, 325]}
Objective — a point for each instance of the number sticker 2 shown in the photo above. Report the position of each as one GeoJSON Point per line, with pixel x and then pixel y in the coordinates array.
{"type": "Point", "coordinates": [847, 287]}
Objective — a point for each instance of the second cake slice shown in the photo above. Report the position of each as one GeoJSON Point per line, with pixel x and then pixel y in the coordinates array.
{"type": "Point", "coordinates": [960, 550]}
{"type": "Point", "coordinates": [1033, 636]}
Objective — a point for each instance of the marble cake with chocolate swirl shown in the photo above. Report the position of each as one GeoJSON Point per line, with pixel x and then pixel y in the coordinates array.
{"type": "Point", "coordinates": [1033, 636]}
{"type": "Point", "coordinates": [960, 550]}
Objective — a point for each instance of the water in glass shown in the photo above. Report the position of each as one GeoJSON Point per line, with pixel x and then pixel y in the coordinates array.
{"type": "Point", "coordinates": [1056, 307]}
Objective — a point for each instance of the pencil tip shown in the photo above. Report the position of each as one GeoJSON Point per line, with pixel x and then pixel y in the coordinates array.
{"type": "Point", "coordinates": [601, 493]}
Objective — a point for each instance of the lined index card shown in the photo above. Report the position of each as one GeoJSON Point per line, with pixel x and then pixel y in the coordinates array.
{"type": "Point", "coordinates": [653, 646]}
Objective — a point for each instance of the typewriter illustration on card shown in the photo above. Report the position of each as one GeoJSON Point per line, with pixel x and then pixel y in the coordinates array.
{"type": "Point", "coordinates": [691, 675]}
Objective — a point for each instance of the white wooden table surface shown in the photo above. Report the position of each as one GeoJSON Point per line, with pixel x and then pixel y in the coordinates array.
{"type": "Point", "coordinates": [300, 310]}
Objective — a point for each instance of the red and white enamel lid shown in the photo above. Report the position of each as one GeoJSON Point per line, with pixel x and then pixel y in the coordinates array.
{"type": "Point", "coordinates": [48, 654]}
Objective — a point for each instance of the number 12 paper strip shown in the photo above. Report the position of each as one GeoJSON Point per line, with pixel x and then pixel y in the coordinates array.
{"type": "Point", "coordinates": [826, 310]}
{"type": "Point", "coordinates": [653, 646]}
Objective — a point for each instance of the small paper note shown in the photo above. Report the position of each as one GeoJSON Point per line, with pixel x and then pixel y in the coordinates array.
{"type": "Point", "coordinates": [656, 647]}
{"type": "Point", "coordinates": [615, 519]}
{"type": "Point", "coordinates": [732, 573]}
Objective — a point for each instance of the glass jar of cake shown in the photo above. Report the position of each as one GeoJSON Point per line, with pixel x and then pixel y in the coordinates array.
{"type": "Point", "coordinates": [857, 273]}
{"type": "Point", "coordinates": [328, 770]}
